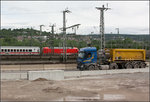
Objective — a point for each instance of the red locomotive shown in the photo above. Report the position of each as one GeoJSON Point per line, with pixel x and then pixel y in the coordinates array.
{"type": "Point", "coordinates": [59, 50]}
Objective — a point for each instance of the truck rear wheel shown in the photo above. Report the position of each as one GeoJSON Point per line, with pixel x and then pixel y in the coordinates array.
{"type": "Point", "coordinates": [142, 65]}
{"type": "Point", "coordinates": [135, 64]}
{"type": "Point", "coordinates": [113, 66]}
{"type": "Point", "coordinates": [128, 65]}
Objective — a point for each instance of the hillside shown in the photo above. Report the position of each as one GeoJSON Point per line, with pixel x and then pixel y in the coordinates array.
{"type": "Point", "coordinates": [32, 37]}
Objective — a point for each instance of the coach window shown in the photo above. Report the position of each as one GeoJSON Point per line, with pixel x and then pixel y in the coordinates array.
{"type": "Point", "coordinates": [30, 50]}
{"type": "Point", "coordinates": [5, 50]}
{"type": "Point", "coordinates": [14, 50]}
{"type": "Point", "coordinates": [23, 50]}
{"type": "Point", "coordinates": [8, 50]}
{"type": "Point", "coordinates": [26, 50]}
{"type": "Point", "coordinates": [20, 50]}
{"type": "Point", "coordinates": [17, 50]}
{"type": "Point", "coordinates": [11, 50]}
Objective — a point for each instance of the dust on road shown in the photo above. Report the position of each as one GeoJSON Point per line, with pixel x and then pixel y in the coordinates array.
{"type": "Point", "coordinates": [116, 87]}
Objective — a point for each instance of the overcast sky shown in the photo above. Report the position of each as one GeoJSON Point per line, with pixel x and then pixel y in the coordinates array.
{"type": "Point", "coordinates": [131, 17]}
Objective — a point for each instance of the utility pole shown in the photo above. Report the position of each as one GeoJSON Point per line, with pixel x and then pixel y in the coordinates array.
{"type": "Point", "coordinates": [64, 33]}
{"type": "Point", "coordinates": [149, 46]}
{"type": "Point", "coordinates": [40, 36]}
{"type": "Point", "coordinates": [41, 29]}
{"type": "Point", "coordinates": [111, 39]}
{"type": "Point", "coordinates": [117, 30]}
{"type": "Point", "coordinates": [102, 35]}
{"type": "Point", "coordinates": [149, 43]}
{"type": "Point", "coordinates": [31, 37]}
{"type": "Point", "coordinates": [52, 38]}
{"type": "Point", "coordinates": [118, 35]}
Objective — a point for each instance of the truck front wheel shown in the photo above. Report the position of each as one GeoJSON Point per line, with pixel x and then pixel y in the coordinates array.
{"type": "Point", "coordinates": [91, 67]}
{"type": "Point", "coordinates": [82, 67]}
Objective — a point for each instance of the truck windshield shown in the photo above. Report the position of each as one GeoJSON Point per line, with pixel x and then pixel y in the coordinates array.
{"type": "Point", "coordinates": [81, 55]}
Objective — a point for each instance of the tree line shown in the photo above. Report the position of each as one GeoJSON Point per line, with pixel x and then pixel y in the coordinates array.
{"type": "Point", "coordinates": [8, 37]}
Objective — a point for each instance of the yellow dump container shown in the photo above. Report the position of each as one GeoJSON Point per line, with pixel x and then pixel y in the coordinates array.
{"type": "Point", "coordinates": [127, 54]}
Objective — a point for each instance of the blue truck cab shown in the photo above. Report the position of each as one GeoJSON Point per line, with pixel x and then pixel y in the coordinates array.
{"type": "Point", "coordinates": [87, 58]}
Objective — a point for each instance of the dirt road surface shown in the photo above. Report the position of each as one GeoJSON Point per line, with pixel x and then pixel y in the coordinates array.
{"type": "Point", "coordinates": [115, 87]}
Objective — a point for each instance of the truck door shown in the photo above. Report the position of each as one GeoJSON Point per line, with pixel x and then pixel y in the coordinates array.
{"type": "Point", "coordinates": [89, 55]}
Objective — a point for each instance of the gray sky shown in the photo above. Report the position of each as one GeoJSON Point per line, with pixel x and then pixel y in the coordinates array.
{"type": "Point", "coordinates": [132, 17]}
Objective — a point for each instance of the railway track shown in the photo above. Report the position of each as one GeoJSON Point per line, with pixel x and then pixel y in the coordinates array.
{"type": "Point", "coordinates": [41, 61]}
{"type": "Point", "coordinates": [35, 59]}
{"type": "Point", "coordinates": [36, 56]}
{"type": "Point", "coordinates": [36, 62]}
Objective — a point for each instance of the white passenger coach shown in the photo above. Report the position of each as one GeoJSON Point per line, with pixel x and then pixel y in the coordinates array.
{"type": "Point", "coordinates": [19, 50]}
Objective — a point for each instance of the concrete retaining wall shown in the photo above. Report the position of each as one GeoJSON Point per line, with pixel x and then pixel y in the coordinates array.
{"type": "Point", "coordinates": [101, 72]}
{"type": "Point", "coordinates": [61, 74]}
{"type": "Point", "coordinates": [13, 76]}
{"type": "Point", "coordinates": [47, 74]}
{"type": "Point", "coordinates": [72, 73]}
{"type": "Point", "coordinates": [96, 72]}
